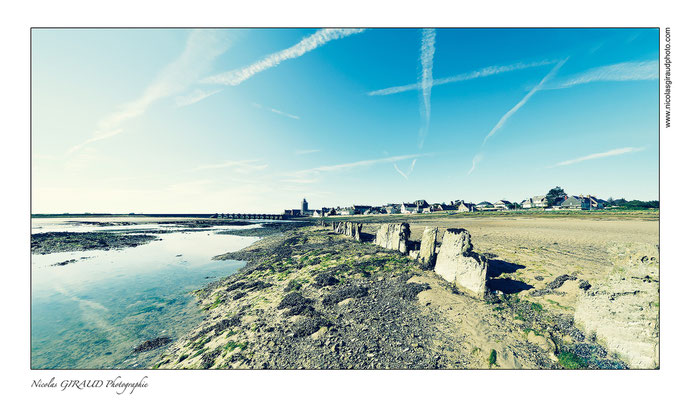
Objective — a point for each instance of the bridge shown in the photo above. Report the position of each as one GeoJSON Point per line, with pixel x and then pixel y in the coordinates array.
{"type": "Point", "coordinates": [251, 216]}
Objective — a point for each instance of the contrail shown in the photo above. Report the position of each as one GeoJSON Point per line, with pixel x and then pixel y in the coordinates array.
{"type": "Point", "coordinates": [614, 152]}
{"type": "Point", "coordinates": [426, 81]}
{"type": "Point", "coordinates": [480, 73]}
{"type": "Point", "coordinates": [524, 100]}
{"type": "Point", "coordinates": [476, 162]}
{"type": "Point", "coordinates": [318, 39]}
{"type": "Point", "coordinates": [627, 71]}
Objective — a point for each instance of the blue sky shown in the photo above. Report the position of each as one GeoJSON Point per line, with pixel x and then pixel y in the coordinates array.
{"type": "Point", "coordinates": [252, 120]}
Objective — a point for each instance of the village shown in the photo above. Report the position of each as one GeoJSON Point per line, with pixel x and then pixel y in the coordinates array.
{"type": "Point", "coordinates": [540, 202]}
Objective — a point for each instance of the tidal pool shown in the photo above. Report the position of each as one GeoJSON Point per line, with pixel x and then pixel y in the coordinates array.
{"type": "Point", "coordinates": [92, 313]}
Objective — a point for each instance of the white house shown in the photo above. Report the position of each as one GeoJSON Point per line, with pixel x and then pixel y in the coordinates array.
{"type": "Point", "coordinates": [466, 207]}
{"type": "Point", "coordinates": [409, 208]}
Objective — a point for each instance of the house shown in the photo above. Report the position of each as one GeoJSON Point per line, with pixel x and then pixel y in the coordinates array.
{"type": "Point", "coordinates": [361, 209]}
{"type": "Point", "coordinates": [324, 212]}
{"type": "Point", "coordinates": [503, 205]}
{"type": "Point", "coordinates": [483, 205]}
{"type": "Point", "coordinates": [527, 203]}
{"type": "Point", "coordinates": [539, 202]}
{"type": "Point", "coordinates": [572, 203]}
{"type": "Point", "coordinates": [392, 209]}
{"type": "Point", "coordinates": [346, 211]}
{"type": "Point", "coordinates": [593, 203]}
{"type": "Point", "coordinates": [466, 207]}
{"type": "Point", "coordinates": [410, 208]}
{"type": "Point", "coordinates": [582, 203]}
{"type": "Point", "coordinates": [448, 207]}
{"type": "Point", "coordinates": [421, 204]}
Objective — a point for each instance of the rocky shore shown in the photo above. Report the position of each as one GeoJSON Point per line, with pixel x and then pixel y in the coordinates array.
{"type": "Point", "coordinates": [266, 229]}
{"type": "Point", "coordinates": [56, 242]}
{"type": "Point", "coordinates": [313, 298]}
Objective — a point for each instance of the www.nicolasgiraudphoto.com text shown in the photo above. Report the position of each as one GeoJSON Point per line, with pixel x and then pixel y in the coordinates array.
{"type": "Point", "coordinates": [668, 77]}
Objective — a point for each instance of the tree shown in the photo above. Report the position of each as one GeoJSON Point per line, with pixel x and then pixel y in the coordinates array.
{"type": "Point", "coordinates": [554, 194]}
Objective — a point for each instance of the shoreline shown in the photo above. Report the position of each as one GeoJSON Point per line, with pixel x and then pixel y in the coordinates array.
{"type": "Point", "coordinates": [310, 298]}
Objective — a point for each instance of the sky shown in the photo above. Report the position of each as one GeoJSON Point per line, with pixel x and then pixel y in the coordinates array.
{"type": "Point", "coordinates": [255, 120]}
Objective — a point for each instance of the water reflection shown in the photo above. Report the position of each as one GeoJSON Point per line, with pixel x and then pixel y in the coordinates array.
{"type": "Point", "coordinates": [91, 313]}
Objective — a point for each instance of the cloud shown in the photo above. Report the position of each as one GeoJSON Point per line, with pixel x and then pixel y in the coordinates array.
{"type": "Point", "coordinates": [201, 49]}
{"type": "Point", "coordinates": [627, 71]}
{"type": "Point", "coordinates": [357, 164]}
{"type": "Point", "coordinates": [243, 166]}
{"type": "Point", "coordinates": [273, 110]}
{"type": "Point", "coordinates": [303, 152]}
{"type": "Point", "coordinates": [426, 80]}
{"type": "Point", "coordinates": [476, 162]}
{"type": "Point", "coordinates": [194, 97]}
{"type": "Point", "coordinates": [614, 152]}
{"type": "Point", "coordinates": [481, 73]}
{"type": "Point", "coordinates": [318, 39]}
{"type": "Point", "coordinates": [524, 100]}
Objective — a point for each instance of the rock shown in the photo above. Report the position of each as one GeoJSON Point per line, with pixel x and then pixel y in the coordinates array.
{"type": "Point", "coordinates": [324, 279]}
{"type": "Point", "coordinates": [344, 293]}
{"type": "Point", "coordinates": [583, 284]}
{"type": "Point", "coordinates": [308, 326]}
{"type": "Point", "coordinates": [427, 248]}
{"type": "Point", "coordinates": [411, 290]}
{"type": "Point", "coordinates": [623, 311]}
{"type": "Point", "coordinates": [153, 344]}
{"type": "Point", "coordinates": [558, 281]}
{"type": "Point", "coordinates": [294, 299]}
{"type": "Point", "coordinates": [458, 264]}
{"type": "Point", "coordinates": [394, 237]}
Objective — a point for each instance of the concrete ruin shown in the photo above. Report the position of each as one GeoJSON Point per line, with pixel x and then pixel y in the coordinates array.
{"type": "Point", "coordinates": [393, 237]}
{"type": "Point", "coordinates": [458, 264]}
{"type": "Point", "coordinates": [428, 246]}
{"type": "Point", "coordinates": [623, 311]}
{"type": "Point", "coordinates": [347, 228]}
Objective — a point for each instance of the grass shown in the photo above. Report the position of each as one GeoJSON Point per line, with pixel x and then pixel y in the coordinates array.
{"type": "Point", "coordinates": [569, 360]}
{"type": "Point", "coordinates": [215, 304]}
{"type": "Point", "coordinates": [199, 344]}
{"type": "Point", "coordinates": [492, 358]}
{"type": "Point", "coordinates": [230, 346]}
{"type": "Point", "coordinates": [295, 284]}
{"type": "Point", "coordinates": [556, 303]}
{"type": "Point", "coordinates": [652, 214]}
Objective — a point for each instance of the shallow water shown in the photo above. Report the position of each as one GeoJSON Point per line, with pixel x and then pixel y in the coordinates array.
{"type": "Point", "coordinates": [91, 314]}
